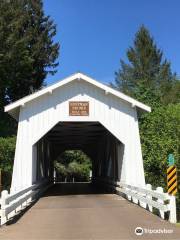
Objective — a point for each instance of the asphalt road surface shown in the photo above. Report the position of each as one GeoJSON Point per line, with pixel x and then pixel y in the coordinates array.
{"type": "Point", "coordinates": [78, 211]}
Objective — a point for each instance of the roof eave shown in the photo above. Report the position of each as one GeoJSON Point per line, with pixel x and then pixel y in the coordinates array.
{"type": "Point", "coordinates": [21, 102]}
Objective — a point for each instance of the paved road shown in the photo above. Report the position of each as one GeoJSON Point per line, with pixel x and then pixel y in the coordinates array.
{"type": "Point", "coordinates": [80, 212]}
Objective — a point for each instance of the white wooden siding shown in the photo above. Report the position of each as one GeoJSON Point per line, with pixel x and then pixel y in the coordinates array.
{"type": "Point", "coordinates": [40, 115]}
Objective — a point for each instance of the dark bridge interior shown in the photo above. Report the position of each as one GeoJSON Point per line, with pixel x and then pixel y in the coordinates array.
{"type": "Point", "coordinates": [62, 189]}
{"type": "Point", "coordinates": [76, 135]}
{"type": "Point", "coordinates": [104, 149]}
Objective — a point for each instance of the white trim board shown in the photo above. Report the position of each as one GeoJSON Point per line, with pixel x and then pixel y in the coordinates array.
{"type": "Point", "coordinates": [13, 107]}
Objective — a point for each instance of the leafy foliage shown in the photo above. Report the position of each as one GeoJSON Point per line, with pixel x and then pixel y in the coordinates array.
{"type": "Point", "coordinates": [7, 149]}
{"type": "Point", "coordinates": [61, 169]}
{"type": "Point", "coordinates": [160, 135]}
{"type": "Point", "coordinates": [27, 51]}
{"type": "Point", "coordinates": [73, 164]}
{"type": "Point", "coordinates": [148, 78]}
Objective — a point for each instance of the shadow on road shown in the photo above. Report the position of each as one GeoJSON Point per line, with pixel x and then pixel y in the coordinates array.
{"type": "Point", "coordinates": [61, 189]}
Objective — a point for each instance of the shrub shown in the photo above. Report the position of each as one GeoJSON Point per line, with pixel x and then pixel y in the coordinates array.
{"type": "Point", "coordinates": [160, 135]}
{"type": "Point", "coordinates": [7, 149]}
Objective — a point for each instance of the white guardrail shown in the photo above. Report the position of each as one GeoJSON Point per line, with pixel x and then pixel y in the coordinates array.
{"type": "Point", "coordinates": [145, 197]}
{"type": "Point", "coordinates": [12, 204]}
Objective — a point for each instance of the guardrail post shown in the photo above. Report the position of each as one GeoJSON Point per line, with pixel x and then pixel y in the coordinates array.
{"type": "Point", "coordinates": [142, 203]}
{"type": "Point", "coordinates": [160, 190]}
{"type": "Point", "coordinates": [4, 195]}
{"type": "Point", "coordinates": [134, 199]}
{"type": "Point", "coordinates": [149, 196]}
{"type": "Point", "coordinates": [127, 195]}
{"type": "Point", "coordinates": [172, 208]}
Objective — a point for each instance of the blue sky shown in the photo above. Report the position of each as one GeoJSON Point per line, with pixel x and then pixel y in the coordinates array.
{"type": "Point", "coordinates": [95, 34]}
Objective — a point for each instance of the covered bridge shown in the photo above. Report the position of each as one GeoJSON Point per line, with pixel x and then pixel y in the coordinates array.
{"type": "Point", "coordinates": [77, 113]}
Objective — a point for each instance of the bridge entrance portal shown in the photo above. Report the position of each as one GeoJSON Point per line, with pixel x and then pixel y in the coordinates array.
{"type": "Point", "coordinates": [104, 149]}
{"type": "Point", "coordinates": [77, 113]}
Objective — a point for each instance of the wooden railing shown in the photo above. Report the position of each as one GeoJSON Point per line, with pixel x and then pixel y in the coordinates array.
{"type": "Point", "coordinates": [12, 204]}
{"type": "Point", "coordinates": [145, 197]}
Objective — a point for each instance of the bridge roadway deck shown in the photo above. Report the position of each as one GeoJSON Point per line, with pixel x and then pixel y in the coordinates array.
{"type": "Point", "coordinates": [78, 211]}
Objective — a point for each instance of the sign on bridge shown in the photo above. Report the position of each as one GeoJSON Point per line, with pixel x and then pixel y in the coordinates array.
{"type": "Point", "coordinates": [78, 108]}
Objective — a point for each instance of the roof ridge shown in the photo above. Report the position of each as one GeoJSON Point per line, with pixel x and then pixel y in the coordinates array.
{"type": "Point", "coordinates": [49, 89]}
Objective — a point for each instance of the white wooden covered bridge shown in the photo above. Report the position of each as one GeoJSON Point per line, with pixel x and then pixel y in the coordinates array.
{"type": "Point", "coordinates": [79, 113]}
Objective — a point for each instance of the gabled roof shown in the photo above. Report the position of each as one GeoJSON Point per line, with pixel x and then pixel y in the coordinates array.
{"type": "Point", "coordinates": [13, 108]}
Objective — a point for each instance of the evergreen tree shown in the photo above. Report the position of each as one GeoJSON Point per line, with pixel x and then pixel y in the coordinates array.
{"type": "Point", "coordinates": [27, 50]}
{"type": "Point", "coordinates": [147, 76]}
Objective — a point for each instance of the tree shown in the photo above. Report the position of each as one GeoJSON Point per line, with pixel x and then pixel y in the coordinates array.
{"type": "Point", "coordinates": [7, 149]}
{"type": "Point", "coordinates": [73, 164]}
{"type": "Point", "coordinates": [147, 76]}
{"type": "Point", "coordinates": [160, 134]}
{"type": "Point", "coordinates": [61, 169]}
{"type": "Point", "coordinates": [27, 50]}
